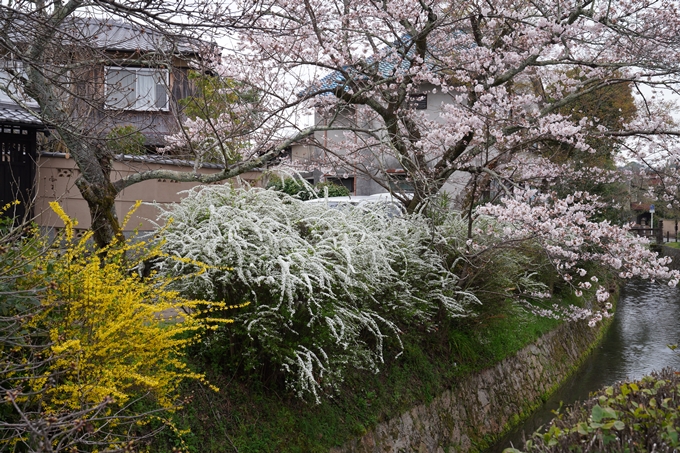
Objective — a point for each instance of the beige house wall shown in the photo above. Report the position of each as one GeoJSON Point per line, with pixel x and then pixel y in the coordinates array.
{"type": "Point", "coordinates": [668, 227]}
{"type": "Point", "coordinates": [55, 181]}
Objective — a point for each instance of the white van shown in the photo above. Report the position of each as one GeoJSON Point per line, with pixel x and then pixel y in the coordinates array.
{"type": "Point", "coordinates": [385, 201]}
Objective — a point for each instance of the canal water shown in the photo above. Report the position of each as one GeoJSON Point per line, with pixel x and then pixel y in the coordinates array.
{"type": "Point", "coordinates": [646, 321]}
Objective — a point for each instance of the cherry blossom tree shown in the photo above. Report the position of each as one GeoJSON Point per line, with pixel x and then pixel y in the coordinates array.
{"type": "Point", "coordinates": [569, 236]}
{"type": "Point", "coordinates": [505, 80]}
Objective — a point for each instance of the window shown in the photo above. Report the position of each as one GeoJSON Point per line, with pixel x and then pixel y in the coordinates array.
{"type": "Point", "coordinates": [136, 89]}
{"type": "Point", "coordinates": [417, 101]}
{"type": "Point", "coordinates": [11, 73]}
{"type": "Point", "coordinates": [399, 181]}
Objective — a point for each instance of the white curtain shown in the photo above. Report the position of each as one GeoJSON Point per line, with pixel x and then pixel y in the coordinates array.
{"type": "Point", "coordinates": [136, 89]}
{"type": "Point", "coordinates": [120, 89]}
{"type": "Point", "coordinates": [146, 90]}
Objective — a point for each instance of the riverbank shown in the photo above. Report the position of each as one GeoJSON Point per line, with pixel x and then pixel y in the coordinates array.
{"type": "Point", "coordinates": [259, 418]}
{"type": "Point", "coordinates": [485, 405]}
{"type": "Point", "coordinates": [488, 354]}
{"type": "Point", "coordinates": [647, 320]}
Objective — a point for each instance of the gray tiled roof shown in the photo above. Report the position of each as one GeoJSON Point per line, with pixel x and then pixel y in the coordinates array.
{"type": "Point", "coordinates": [13, 114]}
{"type": "Point", "coordinates": [391, 63]}
{"type": "Point", "coordinates": [149, 159]}
{"type": "Point", "coordinates": [127, 37]}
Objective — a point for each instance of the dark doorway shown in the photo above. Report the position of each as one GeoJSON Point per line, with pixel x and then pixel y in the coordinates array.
{"type": "Point", "coordinates": [17, 169]}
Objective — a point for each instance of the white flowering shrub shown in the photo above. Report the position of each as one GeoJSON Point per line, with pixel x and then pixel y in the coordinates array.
{"type": "Point", "coordinates": [329, 288]}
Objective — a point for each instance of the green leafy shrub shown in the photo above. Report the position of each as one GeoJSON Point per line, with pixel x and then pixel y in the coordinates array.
{"type": "Point", "coordinates": [333, 190]}
{"type": "Point", "coordinates": [220, 113]}
{"type": "Point", "coordinates": [502, 274]}
{"type": "Point", "coordinates": [126, 140]}
{"type": "Point", "coordinates": [302, 190]}
{"type": "Point", "coordinates": [639, 416]}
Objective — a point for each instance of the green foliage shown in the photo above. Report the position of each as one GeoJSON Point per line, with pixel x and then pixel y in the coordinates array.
{"type": "Point", "coordinates": [20, 349]}
{"type": "Point", "coordinates": [126, 140]}
{"type": "Point", "coordinates": [333, 190]}
{"type": "Point", "coordinates": [19, 248]}
{"type": "Point", "coordinates": [611, 106]}
{"type": "Point", "coordinates": [302, 190]}
{"type": "Point", "coordinates": [639, 416]}
{"type": "Point", "coordinates": [215, 96]}
{"type": "Point", "coordinates": [220, 113]}
{"type": "Point", "coordinates": [519, 271]}
{"type": "Point", "coordinates": [294, 187]}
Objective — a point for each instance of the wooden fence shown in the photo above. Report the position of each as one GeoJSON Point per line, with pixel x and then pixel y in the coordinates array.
{"type": "Point", "coordinates": [653, 234]}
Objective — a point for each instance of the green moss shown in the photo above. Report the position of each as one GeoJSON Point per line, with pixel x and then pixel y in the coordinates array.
{"type": "Point", "coordinates": [530, 407]}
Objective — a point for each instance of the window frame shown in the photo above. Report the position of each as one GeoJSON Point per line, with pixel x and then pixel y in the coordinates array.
{"type": "Point", "coordinates": [398, 181]}
{"type": "Point", "coordinates": [150, 106]}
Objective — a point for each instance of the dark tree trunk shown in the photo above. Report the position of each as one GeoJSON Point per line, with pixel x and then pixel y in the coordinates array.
{"type": "Point", "coordinates": [101, 202]}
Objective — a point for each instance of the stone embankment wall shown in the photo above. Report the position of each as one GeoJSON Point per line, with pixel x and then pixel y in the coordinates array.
{"type": "Point", "coordinates": [673, 253]}
{"type": "Point", "coordinates": [482, 406]}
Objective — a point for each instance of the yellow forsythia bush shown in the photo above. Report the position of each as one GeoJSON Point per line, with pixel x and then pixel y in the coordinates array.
{"type": "Point", "coordinates": [113, 333]}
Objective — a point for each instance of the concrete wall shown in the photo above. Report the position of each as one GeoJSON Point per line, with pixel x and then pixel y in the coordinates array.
{"type": "Point", "coordinates": [483, 405]}
{"type": "Point", "coordinates": [55, 181]}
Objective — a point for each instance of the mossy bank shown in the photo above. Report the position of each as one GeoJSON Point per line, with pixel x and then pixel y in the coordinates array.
{"type": "Point", "coordinates": [454, 389]}
{"type": "Point", "coordinates": [484, 405]}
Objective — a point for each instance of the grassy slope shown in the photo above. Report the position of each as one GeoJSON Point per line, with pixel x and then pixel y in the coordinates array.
{"type": "Point", "coordinates": [248, 417]}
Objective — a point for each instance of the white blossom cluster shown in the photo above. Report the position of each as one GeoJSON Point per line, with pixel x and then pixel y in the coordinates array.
{"type": "Point", "coordinates": [328, 287]}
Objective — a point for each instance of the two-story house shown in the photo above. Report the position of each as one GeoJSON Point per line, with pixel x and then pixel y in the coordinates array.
{"type": "Point", "coordinates": [372, 172]}
{"type": "Point", "coordinates": [126, 83]}
{"type": "Point", "coordinates": [133, 77]}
